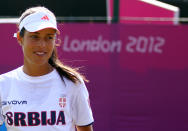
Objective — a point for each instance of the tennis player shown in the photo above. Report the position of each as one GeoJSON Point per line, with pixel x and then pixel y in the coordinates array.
{"type": "Point", "coordinates": [43, 94]}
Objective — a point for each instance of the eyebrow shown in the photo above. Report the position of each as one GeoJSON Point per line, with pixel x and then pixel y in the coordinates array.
{"type": "Point", "coordinates": [51, 34]}
{"type": "Point", "coordinates": [47, 34]}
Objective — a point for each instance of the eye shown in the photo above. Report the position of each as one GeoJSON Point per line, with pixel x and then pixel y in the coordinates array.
{"type": "Point", "coordinates": [34, 36]}
{"type": "Point", "coordinates": [51, 37]}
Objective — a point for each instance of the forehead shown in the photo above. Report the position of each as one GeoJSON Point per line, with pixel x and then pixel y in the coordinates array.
{"type": "Point", "coordinates": [47, 31]}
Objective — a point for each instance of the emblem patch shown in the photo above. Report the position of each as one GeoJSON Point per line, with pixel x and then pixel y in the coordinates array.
{"type": "Point", "coordinates": [62, 101]}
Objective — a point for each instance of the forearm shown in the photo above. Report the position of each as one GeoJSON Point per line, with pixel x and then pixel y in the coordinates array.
{"type": "Point", "coordinates": [84, 128]}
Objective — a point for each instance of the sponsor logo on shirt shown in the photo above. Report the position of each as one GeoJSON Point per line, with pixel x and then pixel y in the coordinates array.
{"type": "Point", "coordinates": [13, 102]}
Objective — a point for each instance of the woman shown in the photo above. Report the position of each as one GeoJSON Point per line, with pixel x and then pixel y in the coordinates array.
{"type": "Point", "coordinates": [43, 94]}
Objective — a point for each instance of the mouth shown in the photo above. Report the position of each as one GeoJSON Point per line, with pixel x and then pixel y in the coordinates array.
{"type": "Point", "coordinates": [40, 53]}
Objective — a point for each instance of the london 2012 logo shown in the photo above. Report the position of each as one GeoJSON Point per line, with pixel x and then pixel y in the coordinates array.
{"type": "Point", "coordinates": [62, 101]}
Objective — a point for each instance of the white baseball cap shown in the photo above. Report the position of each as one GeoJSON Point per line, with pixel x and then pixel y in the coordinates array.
{"type": "Point", "coordinates": [38, 21]}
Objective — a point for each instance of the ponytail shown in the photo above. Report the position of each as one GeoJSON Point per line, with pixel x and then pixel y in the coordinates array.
{"type": "Point", "coordinates": [66, 71]}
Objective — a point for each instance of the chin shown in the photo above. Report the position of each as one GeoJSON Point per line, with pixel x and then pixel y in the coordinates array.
{"type": "Point", "coordinates": [40, 62]}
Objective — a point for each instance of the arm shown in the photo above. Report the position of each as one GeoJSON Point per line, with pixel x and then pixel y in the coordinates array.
{"type": "Point", "coordinates": [84, 128]}
{"type": "Point", "coordinates": [82, 113]}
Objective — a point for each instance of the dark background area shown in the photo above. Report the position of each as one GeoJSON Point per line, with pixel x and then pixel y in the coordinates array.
{"type": "Point", "coordinates": [182, 4]}
{"type": "Point", "coordinates": [61, 8]}
{"type": "Point", "coordinates": [73, 8]}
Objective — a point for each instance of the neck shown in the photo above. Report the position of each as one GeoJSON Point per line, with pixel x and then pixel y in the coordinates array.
{"type": "Point", "coordinates": [37, 70]}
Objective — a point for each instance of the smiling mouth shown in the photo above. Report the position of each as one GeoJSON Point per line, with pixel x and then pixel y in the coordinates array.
{"type": "Point", "coordinates": [40, 53]}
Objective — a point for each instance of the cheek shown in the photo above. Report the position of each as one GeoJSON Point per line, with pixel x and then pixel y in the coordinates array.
{"type": "Point", "coordinates": [51, 47]}
{"type": "Point", "coordinates": [27, 47]}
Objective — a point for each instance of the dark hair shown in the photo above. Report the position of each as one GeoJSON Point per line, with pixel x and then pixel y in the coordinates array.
{"type": "Point", "coordinates": [64, 71]}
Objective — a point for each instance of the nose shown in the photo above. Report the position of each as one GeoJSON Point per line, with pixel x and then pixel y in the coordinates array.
{"type": "Point", "coordinates": [41, 43]}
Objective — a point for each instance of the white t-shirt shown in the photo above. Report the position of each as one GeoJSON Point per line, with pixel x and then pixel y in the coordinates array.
{"type": "Point", "coordinates": [43, 103]}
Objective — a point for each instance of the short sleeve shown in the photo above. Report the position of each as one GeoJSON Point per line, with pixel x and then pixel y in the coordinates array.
{"type": "Point", "coordinates": [82, 113]}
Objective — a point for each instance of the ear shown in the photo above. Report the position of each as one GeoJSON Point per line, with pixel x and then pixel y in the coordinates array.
{"type": "Point", "coordinates": [57, 42]}
{"type": "Point", "coordinates": [19, 38]}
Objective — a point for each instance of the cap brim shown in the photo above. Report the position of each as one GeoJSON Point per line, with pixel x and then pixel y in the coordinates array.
{"type": "Point", "coordinates": [37, 26]}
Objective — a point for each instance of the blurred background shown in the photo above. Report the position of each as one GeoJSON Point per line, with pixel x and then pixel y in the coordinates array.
{"type": "Point", "coordinates": [64, 9]}
{"type": "Point", "coordinates": [79, 10]}
{"type": "Point", "coordinates": [134, 52]}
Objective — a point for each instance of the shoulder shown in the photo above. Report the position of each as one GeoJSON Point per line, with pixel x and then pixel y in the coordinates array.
{"type": "Point", "coordinates": [7, 77]}
{"type": "Point", "coordinates": [78, 92]}
{"type": "Point", "coordinates": [79, 84]}
{"type": "Point", "coordinates": [6, 81]}
{"type": "Point", "coordinates": [75, 87]}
